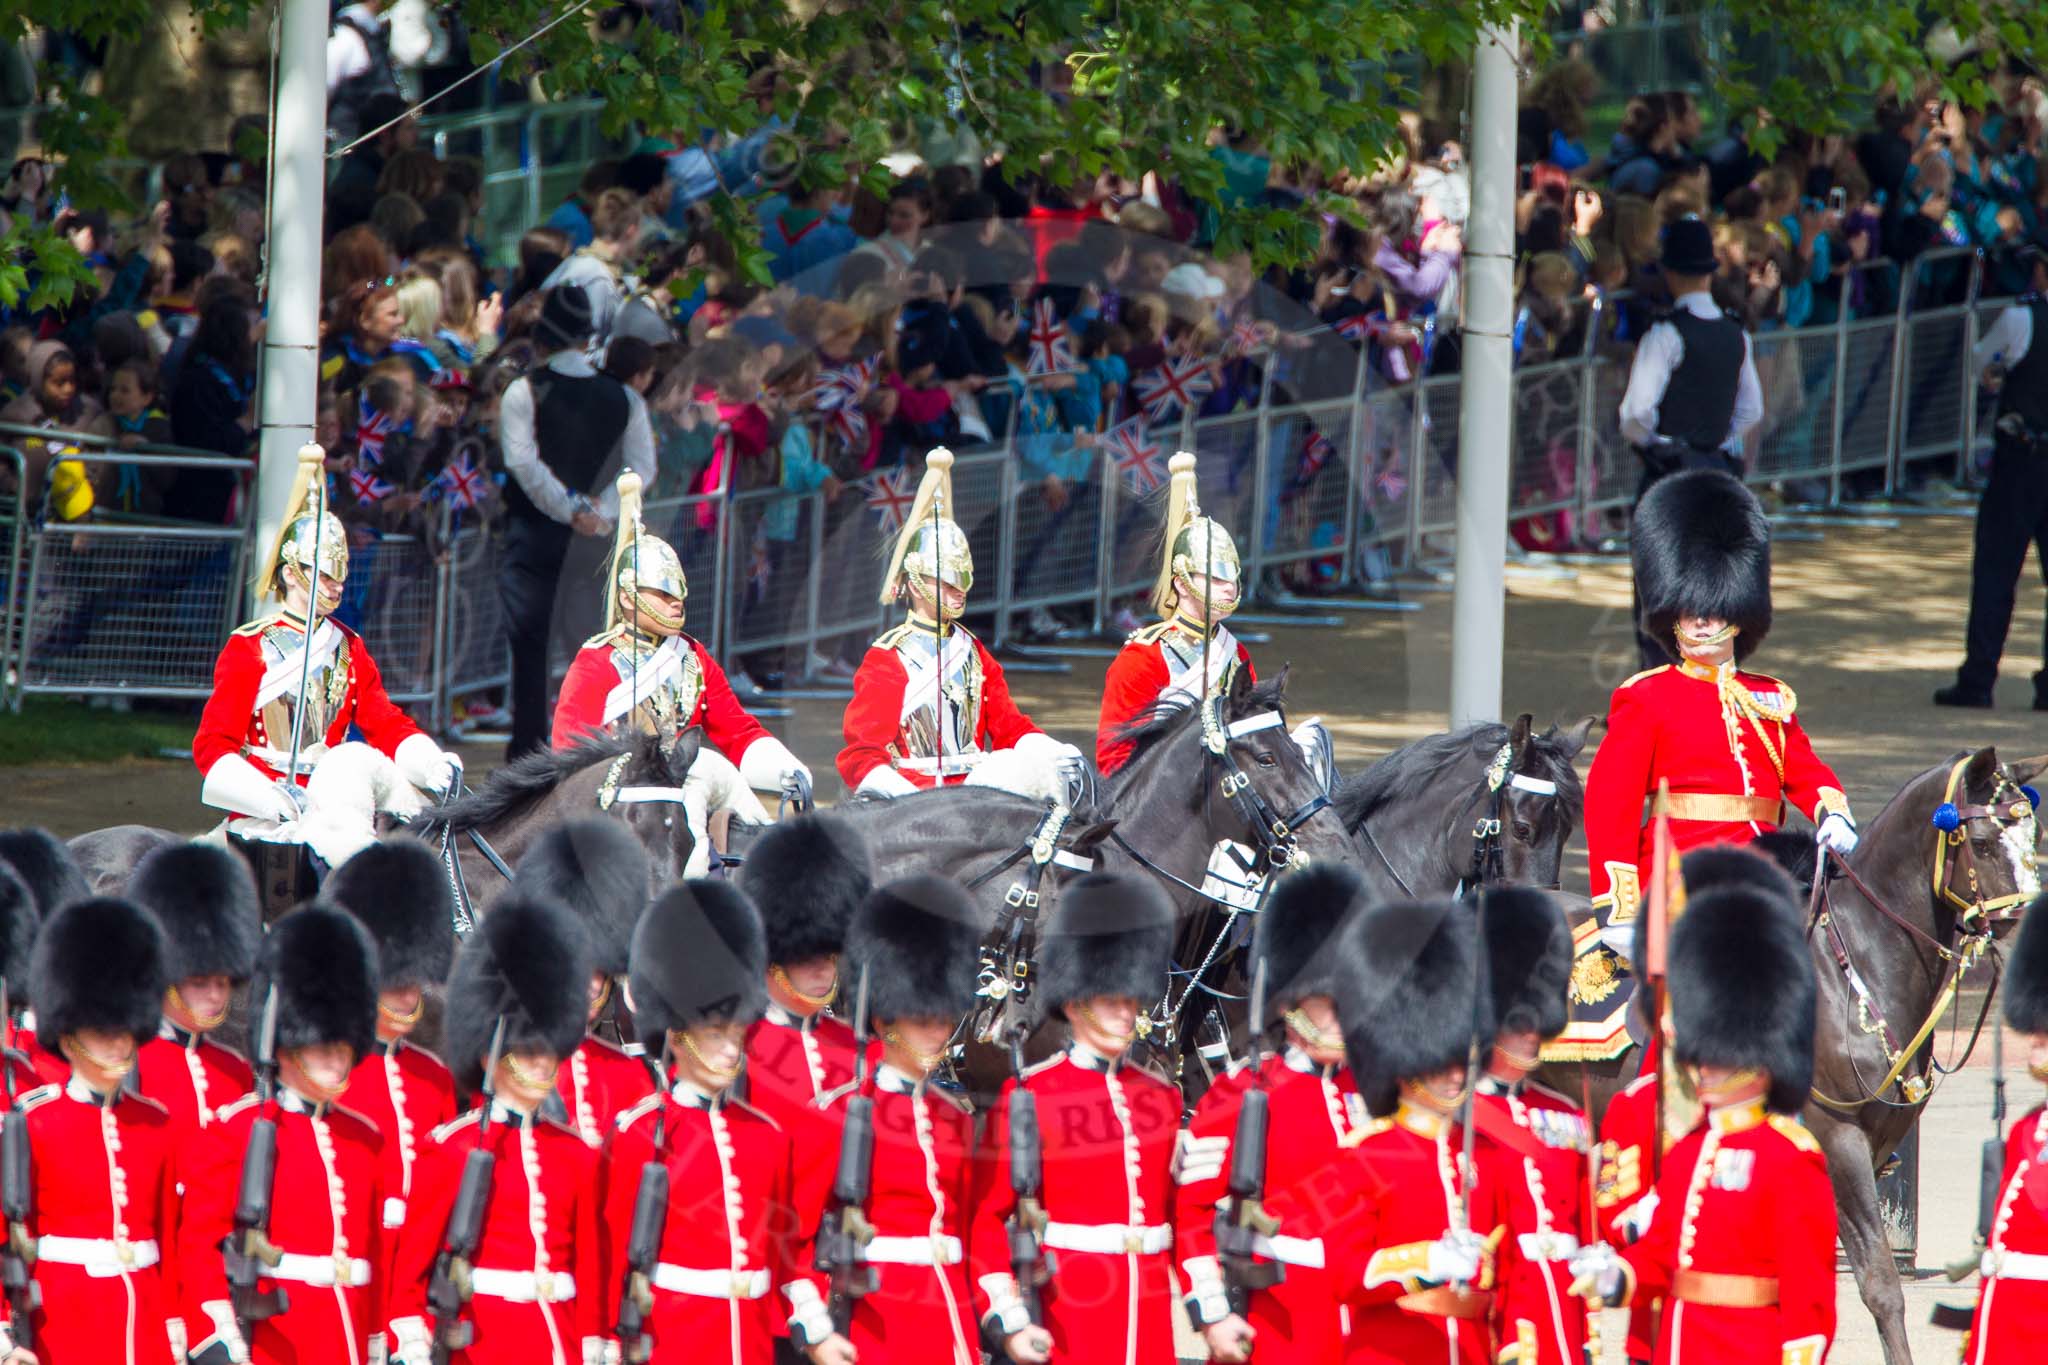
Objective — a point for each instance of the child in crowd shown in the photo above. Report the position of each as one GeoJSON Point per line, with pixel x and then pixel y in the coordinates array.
{"type": "Point", "coordinates": [52, 398]}
{"type": "Point", "coordinates": [137, 422]}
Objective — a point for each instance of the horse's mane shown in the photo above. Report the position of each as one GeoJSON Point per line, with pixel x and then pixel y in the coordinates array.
{"type": "Point", "coordinates": [518, 785]}
{"type": "Point", "coordinates": [1157, 722]}
{"type": "Point", "coordinates": [1413, 768]}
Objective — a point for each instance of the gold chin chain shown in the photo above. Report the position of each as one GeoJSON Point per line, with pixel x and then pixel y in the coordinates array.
{"type": "Point", "coordinates": [1525, 1061]}
{"type": "Point", "coordinates": [1748, 1075]}
{"type": "Point", "coordinates": [927, 1060]}
{"type": "Point", "coordinates": [412, 1017]}
{"type": "Point", "coordinates": [323, 1094]}
{"type": "Point", "coordinates": [816, 1002]}
{"type": "Point", "coordinates": [654, 618]}
{"type": "Point", "coordinates": [1107, 1031]}
{"type": "Point", "coordinates": [201, 1023]}
{"type": "Point", "coordinates": [78, 1051]}
{"type": "Point", "coordinates": [529, 1079]}
{"type": "Point", "coordinates": [723, 1073]}
{"type": "Point", "coordinates": [1310, 1034]}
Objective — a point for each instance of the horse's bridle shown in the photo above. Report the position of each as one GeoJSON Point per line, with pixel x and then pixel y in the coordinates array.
{"type": "Point", "coordinates": [1489, 856]}
{"type": "Point", "coordinates": [1955, 853]}
{"type": "Point", "coordinates": [1273, 834]}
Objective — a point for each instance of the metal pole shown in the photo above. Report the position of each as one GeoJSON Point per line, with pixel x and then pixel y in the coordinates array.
{"type": "Point", "coordinates": [298, 178]}
{"type": "Point", "coordinates": [1478, 605]}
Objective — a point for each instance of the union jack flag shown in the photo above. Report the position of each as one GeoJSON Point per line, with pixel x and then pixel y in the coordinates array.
{"type": "Point", "coordinates": [1139, 459]}
{"type": "Point", "coordinates": [461, 482]}
{"type": "Point", "coordinates": [890, 494]}
{"type": "Point", "coordinates": [372, 429]}
{"type": "Point", "coordinates": [1176, 383]}
{"type": "Point", "coordinates": [1356, 327]}
{"type": "Point", "coordinates": [838, 395]}
{"type": "Point", "coordinates": [1245, 338]}
{"type": "Point", "coordinates": [1388, 480]}
{"type": "Point", "coordinates": [367, 487]}
{"type": "Point", "coordinates": [1050, 352]}
{"type": "Point", "coordinates": [1316, 451]}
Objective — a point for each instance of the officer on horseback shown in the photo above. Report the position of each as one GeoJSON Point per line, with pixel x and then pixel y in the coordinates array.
{"type": "Point", "coordinates": [282, 704]}
{"type": "Point", "coordinates": [1189, 653]}
{"type": "Point", "coordinates": [1726, 740]}
{"type": "Point", "coordinates": [930, 704]}
{"type": "Point", "coordinates": [644, 675]}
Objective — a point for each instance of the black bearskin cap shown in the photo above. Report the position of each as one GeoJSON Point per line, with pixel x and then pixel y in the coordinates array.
{"type": "Point", "coordinates": [1411, 984]}
{"type": "Point", "coordinates": [806, 876]}
{"type": "Point", "coordinates": [98, 964]}
{"type": "Point", "coordinates": [18, 924]}
{"type": "Point", "coordinates": [1297, 932]}
{"type": "Point", "coordinates": [1743, 991]}
{"type": "Point", "coordinates": [1108, 934]}
{"type": "Point", "coordinates": [698, 954]}
{"type": "Point", "coordinates": [46, 865]}
{"type": "Point", "coordinates": [2026, 972]}
{"type": "Point", "coordinates": [324, 965]}
{"type": "Point", "coordinates": [400, 891]}
{"type": "Point", "coordinates": [527, 962]}
{"type": "Point", "coordinates": [597, 869]}
{"type": "Point", "coordinates": [1701, 547]}
{"type": "Point", "coordinates": [1529, 959]}
{"type": "Point", "coordinates": [918, 940]}
{"type": "Point", "coordinates": [204, 897]}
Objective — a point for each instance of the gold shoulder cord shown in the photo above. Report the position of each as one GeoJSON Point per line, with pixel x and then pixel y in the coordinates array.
{"type": "Point", "coordinates": [1744, 702]}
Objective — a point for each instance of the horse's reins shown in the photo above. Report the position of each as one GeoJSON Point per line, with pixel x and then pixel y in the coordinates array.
{"type": "Point", "coordinates": [1005, 960]}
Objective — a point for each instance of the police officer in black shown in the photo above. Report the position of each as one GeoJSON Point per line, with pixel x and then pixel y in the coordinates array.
{"type": "Point", "coordinates": [1693, 391]}
{"type": "Point", "coordinates": [2012, 361]}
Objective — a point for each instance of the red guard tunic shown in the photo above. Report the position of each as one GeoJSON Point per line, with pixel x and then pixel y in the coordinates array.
{"type": "Point", "coordinates": [793, 1065]}
{"type": "Point", "coordinates": [2012, 1301]}
{"type": "Point", "coordinates": [921, 1207]}
{"type": "Point", "coordinates": [927, 714]}
{"type": "Point", "coordinates": [1627, 1130]}
{"type": "Point", "coordinates": [1107, 1132]}
{"type": "Point", "coordinates": [1545, 1196]}
{"type": "Point", "coordinates": [676, 684]}
{"type": "Point", "coordinates": [1377, 1209]}
{"type": "Point", "coordinates": [1732, 751]}
{"type": "Point", "coordinates": [1163, 658]}
{"type": "Point", "coordinates": [192, 1077]}
{"type": "Point", "coordinates": [1742, 1246]}
{"type": "Point", "coordinates": [1311, 1110]}
{"type": "Point", "coordinates": [538, 1277]}
{"type": "Point", "coordinates": [102, 1207]}
{"type": "Point", "coordinates": [723, 1282]}
{"type": "Point", "coordinates": [407, 1092]}
{"type": "Point", "coordinates": [248, 714]}
{"type": "Point", "coordinates": [599, 1082]}
{"type": "Point", "coordinates": [324, 1217]}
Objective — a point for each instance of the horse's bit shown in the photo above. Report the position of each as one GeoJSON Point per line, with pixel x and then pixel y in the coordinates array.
{"type": "Point", "coordinates": [1273, 833]}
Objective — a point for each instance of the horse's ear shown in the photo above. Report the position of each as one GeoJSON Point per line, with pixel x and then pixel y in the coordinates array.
{"type": "Point", "coordinates": [1518, 734]}
{"type": "Point", "coordinates": [685, 753]}
{"type": "Point", "coordinates": [1241, 685]}
{"type": "Point", "coordinates": [1982, 770]}
{"type": "Point", "coordinates": [1092, 838]}
{"type": "Point", "coordinates": [2025, 770]}
{"type": "Point", "coordinates": [1573, 739]}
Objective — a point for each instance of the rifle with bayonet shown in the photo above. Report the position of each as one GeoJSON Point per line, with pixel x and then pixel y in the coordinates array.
{"type": "Point", "coordinates": [1242, 1222]}
{"type": "Point", "coordinates": [248, 1251]}
{"type": "Point", "coordinates": [17, 1193]}
{"type": "Point", "coordinates": [844, 1236]}
{"type": "Point", "coordinates": [448, 1289]}
{"type": "Point", "coordinates": [643, 1241]}
{"type": "Point", "coordinates": [1030, 1263]}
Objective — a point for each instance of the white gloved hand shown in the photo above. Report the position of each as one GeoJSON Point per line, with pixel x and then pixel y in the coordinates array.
{"type": "Point", "coordinates": [427, 765]}
{"type": "Point", "coordinates": [767, 765]}
{"type": "Point", "coordinates": [1635, 1220]}
{"type": "Point", "coordinates": [411, 1343]}
{"type": "Point", "coordinates": [1199, 1158]}
{"type": "Point", "coordinates": [1599, 1274]}
{"type": "Point", "coordinates": [226, 1334]}
{"type": "Point", "coordinates": [1455, 1258]}
{"type": "Point", "coordinates": [235, 784]}
{"type": "Point", "coordinates": [1838, 833]}
{"type": "Point", "coordinates": [883, 780]}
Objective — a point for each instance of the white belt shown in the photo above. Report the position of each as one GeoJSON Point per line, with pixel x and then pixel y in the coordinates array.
{"type": "Point", "coordinates": [1548, 1246]}
{"type": "Point", "coordinates": [281, 759]}
{"type": "Point", "coordinates": [940, 1250]}
{"type": "Point", "coordinates": [523, 1286]}
{"type": "Point", "coordinates": [1111, 1239]}
{"type": "Point", "coordinates": [321, 1272]}
{"type": "Point", "coordinates": [101, 1257]}
{"type": "Point", "coordinates": [2009, 1265]}
{"type": "Point", "coordinates": [394, 1214]}
{"type": "Point", "coordinates": [1301, 1251]}
{"type": "Point", "coordinates": [710, 1284]}
{"type": "Point", "coordinates": [948, 765]}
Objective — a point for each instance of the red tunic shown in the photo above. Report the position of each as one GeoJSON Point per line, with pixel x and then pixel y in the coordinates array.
{"type": "Point", "coordinates": [1377, 1209]}
{"type": "Point", "coordinates": [1744, 1194]}
{"type": "Point", "coordinates": [1545, 1198]}
{"type": "Point", "coordinates": [923, 1188]}
{"type": "Point", "coordinates": [407, 1092]}
{"type": "Point", "coordinates": [1627, 1130]}
{"type": "Point", "coordinates": [792, 1066]}
{"type": "Point", "coordinates": [232, 723]}
{"type": "Point", "coordinates": [193, 1078]}
{"type": "Point", "coordinates": [727, 1230]}
{"type": "Point", "coordinates": [2012, 1309]}
{"type": "Point", "coordinates": [706, 698]}
{"type": "Point", "coordinates": [1671, 724]}
{"type": "Point", "coordinates": [324, 1216]}
{"type": "Point", "coordinates": [1138, 678]}
{"type": "Point", "coordinates": [541, 1290]}
{"type": "Point", "coordinates": [97, 1305]}
{"type": "Point", "coordinates": [874, 721]}
{"type": "Point", "coordinates": [1107, 1137]}
{"type": "Point", "coordinates": [598, 1082]}
{"type": "Point", "coordinates": [1310, 1112]}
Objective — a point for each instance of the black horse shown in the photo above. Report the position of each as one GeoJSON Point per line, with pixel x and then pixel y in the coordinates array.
{"type": "Point", "coordinates": [1423, 814]}
{"type": "Point", "coordinates": [1913, 904]}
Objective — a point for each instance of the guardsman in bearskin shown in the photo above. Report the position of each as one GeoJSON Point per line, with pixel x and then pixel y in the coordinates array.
{"type": "Point", "coordinates": [1313, 1105]}
{"type": "Point", "coordinates": [244, 743]}
{"type": "Point", "coordinates": [930, 704]}
{"type": "Point", "coordinates": [917, 943]}
{"type": "Point", "coordinates": [44, 868]}
{"type": "Point", "coordinates": [327, 1197]}
{"type": "Point", "coordinates": [204, 898]}
{"type": "Point", "coordinates": [2011, 1319]}
{"type": "Point", "coordinates": [643, 675]}
{"type": "Point", "coordinates": [598, 870]}
{"type": "Point", "coordinates": [1109, 1129]}
{"type": "Point", "coordinates": [536, 1289]}
{"type": "Point", "coordinates": [1546, 1185]}
{"type": "Point", "coordinates": [725, 1276]}
{"type": "Point", "coordinates": [1741, 1248]}
{"type": "Point", "coordinates": [1405, 1224]}
{"type": "Point", "coordinates": [399, 890]}
{"type": "Point", "coordinates": [1199, 584]}
{"type": "Point", "coordinates": [1727, 741]}
{"type": "Point", "coordinates": [101, 1157]}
